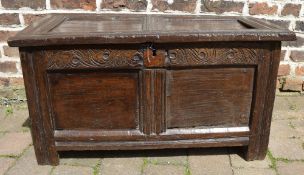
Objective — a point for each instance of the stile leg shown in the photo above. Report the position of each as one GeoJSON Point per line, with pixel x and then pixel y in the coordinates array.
{"type": "Point", "coordinates": [42, 134]}
{"type": "Point", "coordinates": [258, 141]}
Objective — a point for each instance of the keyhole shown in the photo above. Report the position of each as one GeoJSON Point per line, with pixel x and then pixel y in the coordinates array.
{"type": "Point", "coordinates": [153, 49]}
{"type": "Point", "coordinates": [154, 52]}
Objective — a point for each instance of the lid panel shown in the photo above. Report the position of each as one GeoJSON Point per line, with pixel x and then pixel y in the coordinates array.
{"type": "Point", "coordinates": [70, 29]}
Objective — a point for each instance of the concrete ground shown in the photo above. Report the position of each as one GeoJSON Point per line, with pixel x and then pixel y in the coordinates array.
{"type": "Point", "coordinates": [285, 156]}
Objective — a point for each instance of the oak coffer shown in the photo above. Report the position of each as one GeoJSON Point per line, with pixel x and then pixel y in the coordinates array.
{"type": "Point", "coordinates": [128, 82]}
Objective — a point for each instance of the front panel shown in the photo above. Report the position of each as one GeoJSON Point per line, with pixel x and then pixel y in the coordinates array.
{"type": "Point", "coordinates": [95, 100]}
{"type": "Point", "coordinates": [209, 97]}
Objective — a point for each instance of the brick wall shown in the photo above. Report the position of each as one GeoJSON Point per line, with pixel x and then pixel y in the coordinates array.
{"type": "Point", "coordinates": [17, 14]}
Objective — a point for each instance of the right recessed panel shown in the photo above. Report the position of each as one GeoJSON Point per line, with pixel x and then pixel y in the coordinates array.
{"type": "Point", "coordinates": [209, 97]}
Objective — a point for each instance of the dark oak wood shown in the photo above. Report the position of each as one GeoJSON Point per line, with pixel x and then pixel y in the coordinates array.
{"type": "Point", "coordinates": [221, 142]}
{"type": "Point", "coordinates": [41, 124]}
{"type": "Point", "coordinates": [135, 135]}
{"type": "Point", "coordinates": [64, 29]}
{"type": "Point", "coordinates": [265, 89]}
{"type": "Point", "coordinates": [104, 100]}
{"type": "Point", "coordinates": [37, 124]}
{"type": "Point", "coordinates": [218, 97]}
{"type": "Point", "coordinates": [120, 82]}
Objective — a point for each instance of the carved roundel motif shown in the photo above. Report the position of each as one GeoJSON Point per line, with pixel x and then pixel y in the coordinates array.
{"type": "Point", "coordinates": [106, 54]}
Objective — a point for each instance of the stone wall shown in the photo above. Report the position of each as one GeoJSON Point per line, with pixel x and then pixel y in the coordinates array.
{"type": "Point", "coordinates": [15, 15]}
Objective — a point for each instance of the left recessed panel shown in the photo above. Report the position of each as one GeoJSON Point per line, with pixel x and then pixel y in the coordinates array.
{"type": "Point", "coordinates": [71, 24]}
{"type": "Point", "coordinates": [95, 100]}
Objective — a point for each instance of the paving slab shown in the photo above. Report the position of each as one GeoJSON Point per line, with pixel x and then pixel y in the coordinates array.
{"type": "Point", "coordinates": [72, 170]}
{"type": "Point", "coordinates": [281, 104]}
{"type": "Point", "coordinates": [2, 112]}
{"type": "Point", "coordinates": [209, 162]}
{"type": "Point", "coordinates": [253, 171]}
{"type": "Point", "coordinates": [287, 115]}
{"type": "Point", "coordinates": [291, 168]}
{"type": "Point", "coordinates": [121, 165]}
{"type": "Point", "coordinates": [79, 161]}
{"type": "Point", "coordinates": [16, 122]}
{"type": "Point", "coordinates": [298, 126]}
{"type": "Point", "coordinates": [283, 129]}
{"type": "Point", "coordinates": [170, 156]}
{"type": "Point", "coordinates": [152, 169]}
{"type": "Point", "coordinates": [14, 143]}
{"type": "Point", "coordinates": [296, 103]}
{"type": "Point", "coordinates": [288, 108]}
{"type": "Point", "coordinates": [172, 160]}
{"type": "Point", "coordinates": [291, 149]}
{"type": "Point", "coordinates": [27, 165]}
{"type": "Point", "coordinates": [238, 162]}
{"type": "Point", "coordinates": [5, 164]}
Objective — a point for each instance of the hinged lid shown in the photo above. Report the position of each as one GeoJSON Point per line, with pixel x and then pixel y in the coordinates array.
{"type": "Point", "coordinates": [122, 28]}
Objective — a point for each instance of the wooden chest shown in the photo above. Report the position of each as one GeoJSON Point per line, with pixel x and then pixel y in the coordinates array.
{"type": "Point", "coordinates": [120, 82]}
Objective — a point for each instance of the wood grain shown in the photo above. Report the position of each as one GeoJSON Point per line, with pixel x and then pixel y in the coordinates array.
{"type": "Point", "coordinates": [95, 100]}
{"type": "Point", "coordinates": [263, 105]}
{"type": "Point", "coordinates": [43, 154]}
{"type": "Point", "coordinates": [217, 97]}
{"type": "Point", "coordinates": [260, 92]}
{"type": "Point", "coordinates": [219, 142]}
{"type": "Point", "coordinates": [153, 100]}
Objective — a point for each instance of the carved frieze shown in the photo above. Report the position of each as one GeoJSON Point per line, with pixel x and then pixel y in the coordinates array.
{"type": "Point", "coordinates": [116, 58]}
{"type": "Point", "coordinates": [92, 58]}
{"type": "Point", "coordinates": [211, 56]}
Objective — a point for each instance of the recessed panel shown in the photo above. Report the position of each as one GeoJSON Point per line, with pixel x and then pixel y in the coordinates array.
{"type": "Point", "coordinates": [97, 24]}
{"type": "Point", "coordinates": [217, 97]}
{"type": "Point", "coordinates": [206, 24]}
{"type": "Point", "coordinates": [95, 100]}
